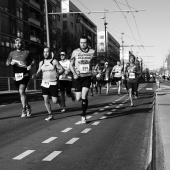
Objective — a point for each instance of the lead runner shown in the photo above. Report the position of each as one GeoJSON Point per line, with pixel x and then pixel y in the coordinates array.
{"type": "Point", "coordinates": [81, 67]}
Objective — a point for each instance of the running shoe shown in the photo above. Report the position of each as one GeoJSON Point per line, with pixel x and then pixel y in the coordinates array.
{"type": "Point", "coordinates": [50, 117]}
{"type": "Point", "coordinates": [63, 110]}
{"type": "Point", "coordinates": [59, 101]}
{"type": "Point", "coordinates": [83, 119]}
{"type": "Point", "coordinates": [28, 111]}
{"type": "Point", "coordinates": [91, 94]}
{"type": "Point", "coordinates": [131, 105]}
{"type": "Point", "coordinates": [23, 113]}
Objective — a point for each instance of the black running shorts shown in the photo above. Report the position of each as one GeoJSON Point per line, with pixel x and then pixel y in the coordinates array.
{"type": "Point", "coordinates": [51, 91]}
{"type": "Point", "coordinates": [24, 81]}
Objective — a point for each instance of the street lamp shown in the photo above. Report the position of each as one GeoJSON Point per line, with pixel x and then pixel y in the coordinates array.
{"type": "Point", "coordinates": [105, 24]}
{"type": "Point", "coordinates": [122, 50]}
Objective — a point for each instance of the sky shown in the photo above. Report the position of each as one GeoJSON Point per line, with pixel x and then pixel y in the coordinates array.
{"type": "Point", "coordinates": [149, 27]}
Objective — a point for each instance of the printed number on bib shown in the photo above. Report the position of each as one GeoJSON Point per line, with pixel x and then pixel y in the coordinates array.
{"type": "Point", "coordinates": [131, 75]}
{"type": "Point", "coordinates": [19, 76]}
{"type": "Point", "coordinates": [84, 68]}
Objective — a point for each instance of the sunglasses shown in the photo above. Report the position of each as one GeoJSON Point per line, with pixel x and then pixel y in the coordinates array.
{"type": "Point", "coordinates": [62, 54]}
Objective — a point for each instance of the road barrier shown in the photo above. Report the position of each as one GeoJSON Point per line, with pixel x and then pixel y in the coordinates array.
{"type": "Point", "coordinates": [8, 84]}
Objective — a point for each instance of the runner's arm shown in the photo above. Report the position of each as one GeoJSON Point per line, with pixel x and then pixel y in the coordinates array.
{"type": "Point", "coordinates": [38, 71]}
{"type": "Point", "coordinates": [58, 66]}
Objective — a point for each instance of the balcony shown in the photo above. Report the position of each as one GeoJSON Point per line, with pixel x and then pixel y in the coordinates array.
{"type": "Point", "coordinates": [34, 4]}
{"type": "Point", "coordinates": [53, 1]}
{"type": "Point", "coordinates": [34, 21]}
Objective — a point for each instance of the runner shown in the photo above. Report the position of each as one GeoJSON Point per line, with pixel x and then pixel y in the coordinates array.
{"type": "Point", "coordinates": [81, 61]}
{"type": "Point", "coordinates": [22, 62]}
{"type": "Point", "coordinates": [65, 81]}
{"type": "Point", "coordinates": [107, 71]}
{"type": "Point", "coordinates": [93, 81]}
{"type": "Point", "coordinates": [51, 69]}
{"type": "Point", "coordinates": [99, 78]}
{"type": "Point", "coordinates": [132, 78]}
{"type": "Point", "coordinates": [117, 73]}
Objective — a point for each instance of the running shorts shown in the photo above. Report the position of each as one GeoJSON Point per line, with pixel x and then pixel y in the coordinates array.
{"type": "Point", "coordinates": [82, 82]}
{"type": "Point", "coordinates": [116, 79]}
{"type": "Point", "coordinates": [24, 81]}
{"type": "Point", "coordinates": [133, 85]}
{"type": "Point", "coordinates": [65, 85]}
{"type": "Point", "coordinates": [51, 91]}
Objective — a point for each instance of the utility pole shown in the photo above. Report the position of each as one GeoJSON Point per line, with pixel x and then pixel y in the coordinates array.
{"type": "Point", "coordinates": [105, 24]}
{"type": "Point", "coordinates": [122, 51]}
{"type": "Point", "coordinates": [47, 25]}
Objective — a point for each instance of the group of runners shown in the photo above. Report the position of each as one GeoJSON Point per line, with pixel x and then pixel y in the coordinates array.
{"type": "Point", "coordinates": [59, 75]}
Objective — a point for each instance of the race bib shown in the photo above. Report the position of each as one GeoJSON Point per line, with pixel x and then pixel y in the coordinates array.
{"type": "Point", "coordinates": [19, 76]}
{"type": "Point", "coordinates": [132, 75]}
{"type": "Point", "coordinates": [45, 84]}
{"type": "Point", "coordinates": [84, 68]}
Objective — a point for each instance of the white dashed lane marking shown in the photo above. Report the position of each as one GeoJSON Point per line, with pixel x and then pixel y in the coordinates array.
{"type": "Point", "coordinates": [73, 140]}
{"type": "Point", "coordinates": [66, 130]}
{"type": "Point", "coordinates": [148, 88]}
{"type": "Point", "coordinates": [101, 109]}
{"type": "Point", "coordinates": [113, 110]}
{"type": "Point", "coordinates": [95, 113]}
{"type": "Point", "coordinates": [117, 106]}
{"type": "Point", "coordinates": [106, 107]}
{"type": "Point", "coordinates": [109, 113]}
{"type": "Point", "coordinates": [88, 117]}
{"type": "Point", "coordinates": [103, 117]}
{"type": "Point", "coordinates": [86, 130]}
{"type": "Point", "coordinates": [52, 156]}
{"type": "Point", "coordinates": [2, 105]}
{"type": "Point", "coordinates": [49, 140]}
{"type": "Point", "coordinates": [79, 122]}
{"type": "Point", "coordinates": [120, 104]}
{"type": "Point", "coordinates": [23, 155]}
{"type": "Point", "coordinates": [95, 123]}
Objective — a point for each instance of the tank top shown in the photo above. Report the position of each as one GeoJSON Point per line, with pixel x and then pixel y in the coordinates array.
{"type": "Point", "coordinates": [83, 60]}
{"type": "Point", "coordinates": [118, 71]}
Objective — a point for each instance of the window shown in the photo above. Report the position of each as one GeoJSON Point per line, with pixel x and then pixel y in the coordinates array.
{"type": "Point", "coordinates": [58, 17]}
{"type": "Point", "coordinates": [58, 4]}
{"type": "Point", "coordinates": [64, 25]}
{"type": "Point", "coordinates": [4, 23]}
{"type": "Point", "coordinates": [71, 25]}
{"type": "Point", "coordinates": [34, 14]}
{"type": "Point", "coordinates": [64, 15]}
{"type": "Point", "coordinates": [58, 31]}
{"type": "Point", "coordinates": [71, 13]}
{"type": "Point", "coordinates": [19, 12]}
{"type": "Point", "coordinates": [35, 34]}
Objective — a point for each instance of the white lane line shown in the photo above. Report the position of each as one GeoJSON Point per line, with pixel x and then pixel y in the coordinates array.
{"type": "Point", "coordinates": [24, 154]}
{"type": "Point", "coordinates": [113, 110]}
{"type": "Point", "coordinates": [120, 104]}
{"type": "Point", "coordinates": [52, 156]}
{"type": "Point", "coordinates": [70, 142]}
{"type": "Point", "coordinates": [49, 140]}
{"type": "Point", "coordinates": [88, 117]}
{"type": "Point", "coordinates": [86, 130]}
{"type": "Point", "coordinates": [110, 104]}
{"type": "Point", "coordinates": [78, 123]}
{"type": "Point", "coordinates": [117, 106]}
{"type": "Point", "coordinates": [101, 109]}
{"type": "Point", "coordinates": [95, 113]}
{"type": "Point", "coordinates": [113, 102]}
{"type": "Point", "coordinates": [66, 130]}
{"type": "Point", "coordinates": [95, 123]}
{"type": "Point", "coordinates": [109, 113]}
{"type": "Point", "coordinates": [103, 117]}
{"type": "Point", "coordinates": [106, 107]}
{"type": "Point", "coordinates": [2, 105]}
{"type": "Point", "coordinates": [148, 88]}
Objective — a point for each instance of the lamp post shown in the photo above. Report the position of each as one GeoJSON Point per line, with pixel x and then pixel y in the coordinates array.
{"type": "Point", "coordinates": [122, 50]}
{"type": "Point", "coordinates": [105, 32]}
{"type": "Point", "coordinates": [47, 25]}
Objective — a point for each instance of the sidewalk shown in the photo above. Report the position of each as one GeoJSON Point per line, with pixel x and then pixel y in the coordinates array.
{"type": "Point", "coordinates": [163, 116]}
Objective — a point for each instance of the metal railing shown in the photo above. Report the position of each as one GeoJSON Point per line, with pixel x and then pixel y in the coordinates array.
{"type": "Point", "coordinates": [8, 84]}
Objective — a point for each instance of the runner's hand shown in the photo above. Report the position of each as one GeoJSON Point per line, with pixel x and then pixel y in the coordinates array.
{"type": "Point", "coordinates": [29, 67]}
{"type": "Point", "coordinates": [34, 76]}
{"type": "Point", "coordinates": [75, 76]}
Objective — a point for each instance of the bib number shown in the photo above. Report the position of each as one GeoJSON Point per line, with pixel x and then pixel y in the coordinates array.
{"type": "Point", "coordinates": [84, 68]}
{"type": "Point", "coordinates": [47, 84]}
{"type": "Point", "coordinates": [19, 76]}
{"type": "Point", "coordinates": [132, 75]}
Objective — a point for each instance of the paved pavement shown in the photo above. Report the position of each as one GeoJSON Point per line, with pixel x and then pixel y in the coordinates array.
{"type": "Point", "coordinates": [163, 115]}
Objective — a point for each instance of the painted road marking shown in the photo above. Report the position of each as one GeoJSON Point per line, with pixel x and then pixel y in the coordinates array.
{"type": "Point", "coordinates": [95, 113]}
{"type": "Point", "coordinates": [95, 123]}
{"type": "Point", "coordinates": [66, 130]}
{"type": "Point", "coordinates": [2, 105]}
{"type": "Point", "coordinates": [103, 117]}
{"type": "Point", "coordinates": [78, 123]}
{"type": "Point", "coordinates": [101, 109]}
{"type": "Point", "coordinates": [113, 102]}
{"type": "Point", "coordinates": [49, 140]}
{"type": "Point", "coordinates": [120, 104]}
{"type": "Point", "coordinates": [24, 154]}
{"type": "Point", "coordinates": [88, 117]}
{"type": "Point", "coordinates": [110, 104]}
{"type": "Point", "coordinates": [109, 113]}
{"type": "Point", "coordinates": [86, 130]}
{"type": "Point", "coordinates": [117, 106]}
{"type": "Point", "coordinates": [70, 142]}
{"type": "Point", "coordinates": [113, 110]}
{"type": "Point", "coordinates": [148, 88]}
{"type": "Point", "coordinates": [52, 156]}
{"type": "Point", "coordinates": [106, 107]}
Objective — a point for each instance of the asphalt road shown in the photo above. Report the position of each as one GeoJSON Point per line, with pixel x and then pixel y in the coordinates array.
{"type": "Point", "coordinates": [116, 137]}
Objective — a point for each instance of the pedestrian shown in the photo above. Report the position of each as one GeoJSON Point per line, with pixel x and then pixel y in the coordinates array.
{"type": "Point", "coordinates": [132, 78]}
{"type": "Point", "coordinates": [81, 67]}
{"type": "Point", "coordinates": [117, 72]}
{"type": "Point", "coordinates": [65, 80]}
{"type": "Point", "coordinates": [106, 72]}
{"type": "Point", "coordinates": [93, 81]}
{"type": "Point", "coordinates": [99, 79]}
{"type": "Point", "coordinates": [51, 69]}
{"type": "Point", "coordinates": [22, 62]}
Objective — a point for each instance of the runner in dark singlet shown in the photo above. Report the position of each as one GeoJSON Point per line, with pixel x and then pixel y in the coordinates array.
{"type": "Point", "coordinates": [22, 62]}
